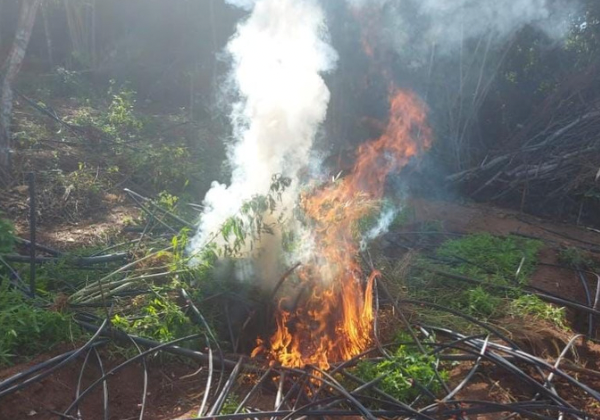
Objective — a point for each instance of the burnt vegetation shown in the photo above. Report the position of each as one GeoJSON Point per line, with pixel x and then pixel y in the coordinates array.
{"type": "Point", "coordinates": [477, 260]}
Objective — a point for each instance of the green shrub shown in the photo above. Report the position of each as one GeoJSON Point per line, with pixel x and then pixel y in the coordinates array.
{"type": "Point", "coordinates": [27, 330]}
{"type": "Point", "coordinates": [398, 372]}
{"type": "Point", "coordinates": [158, 318]}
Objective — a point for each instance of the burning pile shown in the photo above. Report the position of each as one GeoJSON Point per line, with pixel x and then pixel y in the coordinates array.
{"type": "Point", "coordinates": [279, 54]}
{"type": "Point", "coordinates": [334, 323]}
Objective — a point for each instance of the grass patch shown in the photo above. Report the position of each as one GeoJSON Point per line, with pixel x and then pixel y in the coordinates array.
{"type": "Point", "coordinates": [499, 260]}
{"type": "Point", "coordinates": [533, 306]}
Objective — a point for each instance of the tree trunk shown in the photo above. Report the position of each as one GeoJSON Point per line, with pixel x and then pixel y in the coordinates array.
{"type": "Point", "coordinates": [11, 67]}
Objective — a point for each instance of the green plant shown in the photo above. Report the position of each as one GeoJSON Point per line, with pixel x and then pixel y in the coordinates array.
{"type": "Point", "coordinates": [27, 329]}
{"type": "Point", "coordinates": [481, 303]}
{"type": "Point", "coordinates": [496, 261]}
{"type": "Point", "coordinates": [167, 166]}
{"type": "Point", "coordinates": [7, 239]}
{"type": "Point", "coordinates": [533, 306]}
{"type": "Point", "coordinates": [240, 231]}
{"type": "Point", "coordinates": [121, 116]}
{"type": "Point", "coordinates": [398, 372]}
{"type": "Point", "coordinates": [500, 260]}
{"type": "Point", "coordinates": [576, 258]}
{"type": "Point", "coordinates": [158, 318]}
{"type": "Point", "coordinates": [230, 405]}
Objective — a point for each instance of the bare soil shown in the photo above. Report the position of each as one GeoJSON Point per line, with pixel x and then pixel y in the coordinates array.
{"type": "Point", "coordinates": [171, 392]}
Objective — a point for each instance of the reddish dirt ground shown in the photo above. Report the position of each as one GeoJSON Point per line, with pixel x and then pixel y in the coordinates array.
{"type": "Point", "coordinates": [171, 392]}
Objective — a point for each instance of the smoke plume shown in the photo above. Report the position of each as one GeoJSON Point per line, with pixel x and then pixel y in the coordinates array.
{"type": "Point", "coordinates": [278, 55]}
{"type": "Point", "coordinates": [413, 26]}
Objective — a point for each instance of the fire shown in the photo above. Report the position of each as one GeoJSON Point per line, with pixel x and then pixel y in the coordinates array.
{"type": "Point", "coordinates": [334, 322]}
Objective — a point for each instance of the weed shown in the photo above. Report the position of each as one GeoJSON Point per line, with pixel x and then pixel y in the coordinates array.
{"type": "Point", "coordinates": [121, 116]}
{"type": "Point", "coordinates": [576, 258]}
{"type": "Point", "coordinates": [168, 167]}
{"type": "Point", "coordinates": [26, 329]}
{"type": "Point", "coordinates": [7, 239]}
{"type": "Point", "coordinates": [499, 260]}
{"type": "Point", "coordinates": [533, 306]}
{"type": "Point", "coordinates": [494, 260]}
{"type": "Point", "coordinates": [158, 318]}
{"type": "Point", "coordinates": [230, 405]}
{"type": "Point", "coordinates": [404, 216]}
{"type": "Point", "coordinates": [400, 371]}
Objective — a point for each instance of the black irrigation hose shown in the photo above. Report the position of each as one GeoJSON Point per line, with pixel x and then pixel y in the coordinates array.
{"type": "Point", "coordinates": [588, 298]}
{"type": "Point", "coordinates": [226, 389]}
{"type": "Point", "coordinates": [209, 331]}
{"type": "Point", "coordinates": [6, 391]}
{"type": "Point", "coordinates": [145, 388]}
{"type": "Point", "coordinates": [462, 315]}
{"type": "Point", "coordinates": [471, 373]}
{"type": "Point", "coordinates": [543, 294]}
{"type": "Point", "coordinates": [208, 378]}
{"type": "Point", "coordinates": [150, 213]}
{"type": "Point", "coordinates": [46, 249]}
{"type": "Point", "coordinates": [507, 365]}
{"type": "Point", "coordinates": [40, 366]}
{"type": "Point", "coordinates": [490, 407]}
{"type": "Point", "coordinates": [74, 261]}
{"type": "Point", "coordinates": [104, 384]}
{"type": "Point", "coordinates": [104, 387]}
{"type": "Point", "coordinates": [531, 360]}
{"type": "Point", "coordinates": [354, 401]}
{"type": "Point", "coordinates": [255, 388]}
{"type": "Point", "coordinates": [176, 350]}
{"type": "Point", "coordinates": [125, 363]}
{"type": "Point", "coordinates": [524, 408]}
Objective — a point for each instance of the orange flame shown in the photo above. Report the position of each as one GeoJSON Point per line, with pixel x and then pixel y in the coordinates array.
{"type": "Point", "coordinates": [334, 323]}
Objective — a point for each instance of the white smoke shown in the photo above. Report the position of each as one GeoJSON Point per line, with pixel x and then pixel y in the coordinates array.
{"type": "Point", "coordinates": [413, 26]}
{"type": "Point", "coordinates": [278, 56]}
{"type": "Point", "coordinates": [385, 220]}
{"type": "Point", "coordinates": [242, 4]}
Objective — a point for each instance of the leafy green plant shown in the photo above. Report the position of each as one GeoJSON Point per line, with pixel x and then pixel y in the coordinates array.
{"type": "Point", "coordinates": [7, 239]}
{"type": "Point", "coordinates": [167, 166]}
{"type": "Point", "coordinates": [500, 260]}
{"type": "Point", "coordinates": [481, 303]}
{"type": "Point", "coordinates": [533, 306]}
{"type": "Point", "coordinates": [121, 109]}
{"type": "Point", "coordinates": [230, 405]}
{"type": "Point", "coordinates": [27, 329]}
{"type": "Point", "coordinates": [399, 372]}
{"type": "Point", "coordinates": [158, 318]}
{"type": "Point", "coordinates": [249, 224]}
